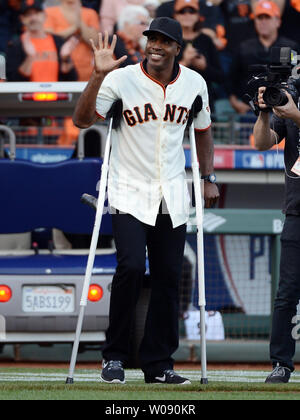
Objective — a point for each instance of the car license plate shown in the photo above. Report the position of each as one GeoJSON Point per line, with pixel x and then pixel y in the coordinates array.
{"type": "Point", "coordinates": [53, 299]}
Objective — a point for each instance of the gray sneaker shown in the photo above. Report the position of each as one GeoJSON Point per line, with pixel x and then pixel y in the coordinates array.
{"type": "Point", "coordinates": [280, 375]}
{"type": "Point", "coordinates": [112, 372]}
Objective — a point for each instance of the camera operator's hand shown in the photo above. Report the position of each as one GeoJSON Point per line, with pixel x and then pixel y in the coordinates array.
{"type": "Point", "coordinates": [288, 111]}
{"type": "Point", "coordinates": [261, 102]}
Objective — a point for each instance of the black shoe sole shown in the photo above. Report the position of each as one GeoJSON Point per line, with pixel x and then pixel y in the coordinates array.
{"type": "Point", "coordinates": [186, 382]}
{"type": "Point", "coordinates": [113, 381]}
{"type": "Point", "coordinates": [276, 381]}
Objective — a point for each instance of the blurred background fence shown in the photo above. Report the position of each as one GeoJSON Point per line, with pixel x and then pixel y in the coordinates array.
{"type": "Point", "coordinates": [242, 250]}
{"type": "Point", "coordinates": [229, 128]}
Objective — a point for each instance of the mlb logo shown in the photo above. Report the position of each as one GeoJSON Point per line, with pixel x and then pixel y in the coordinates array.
{"type": "Point", "coordinates": [258, 161]}
{"type": "Point", "coordinates": [253, 160]}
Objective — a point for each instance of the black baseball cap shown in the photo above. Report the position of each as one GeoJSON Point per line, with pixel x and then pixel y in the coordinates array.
{"type": "Point", "coordinates": [29, 5]}
{"type": "Point", "coordinates": [168, 27]}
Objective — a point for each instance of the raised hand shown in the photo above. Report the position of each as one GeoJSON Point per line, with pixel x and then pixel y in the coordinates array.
{"type": "Point", "coordinates": [104, 55]}
{"type": "Point", "coordinates": [28, 45]}
{"type": "Point", "coordinates": [189, 54]}
{"type": "Point", "coordinates": [68, 47]}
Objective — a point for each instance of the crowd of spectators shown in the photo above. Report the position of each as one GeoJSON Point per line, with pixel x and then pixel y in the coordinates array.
{"type": "Point", "coordinates": [50, 39]}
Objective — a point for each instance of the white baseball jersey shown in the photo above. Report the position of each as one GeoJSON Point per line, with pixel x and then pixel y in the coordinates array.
{"type": "Point", "coordinates": [147, 158]}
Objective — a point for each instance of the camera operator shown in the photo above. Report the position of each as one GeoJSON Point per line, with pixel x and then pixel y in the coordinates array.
{"type": "Point", "coordinates": [285, 123]}
{"type": "Point", "coordinates": [257, 50]}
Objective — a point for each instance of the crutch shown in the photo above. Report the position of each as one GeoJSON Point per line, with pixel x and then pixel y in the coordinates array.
{"type": "Point", "coordinates": [91, 259]}
{"type": "Point", "coordinates": [200, 251]}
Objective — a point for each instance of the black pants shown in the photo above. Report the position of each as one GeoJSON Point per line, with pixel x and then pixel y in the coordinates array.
{"type": "Point", "coordinates": [165, 252]}
{"type": "Point", "coordinates": [283, 344]}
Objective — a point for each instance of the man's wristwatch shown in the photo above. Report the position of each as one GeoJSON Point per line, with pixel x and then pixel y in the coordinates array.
{"type": "Point", "coordinates": [210, 178]}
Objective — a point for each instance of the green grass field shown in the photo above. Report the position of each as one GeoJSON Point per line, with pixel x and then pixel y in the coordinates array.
{"type": "Point", "coordinates": [49, 384]}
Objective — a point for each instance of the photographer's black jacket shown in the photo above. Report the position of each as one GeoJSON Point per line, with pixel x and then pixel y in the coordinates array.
{"type": "Point", "coordinates": [290, 131]}
{"type": "Point", "coordinates": [250, 53]}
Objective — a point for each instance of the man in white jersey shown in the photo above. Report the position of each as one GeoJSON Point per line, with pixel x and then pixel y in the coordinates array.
{"type": "Point", "coordinates": [147, 169]}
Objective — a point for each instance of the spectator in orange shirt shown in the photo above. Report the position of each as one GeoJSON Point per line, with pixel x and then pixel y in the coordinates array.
{"type": "Point", "coordinates": [71, 19]}
{"type": "Point", "coordinates": [41, 57]}
{"type": "Point", "coordinates": [37, 56]}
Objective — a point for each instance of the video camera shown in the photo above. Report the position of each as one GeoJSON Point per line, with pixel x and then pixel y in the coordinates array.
{"type": "Point", "coordinates": [277, 78]}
